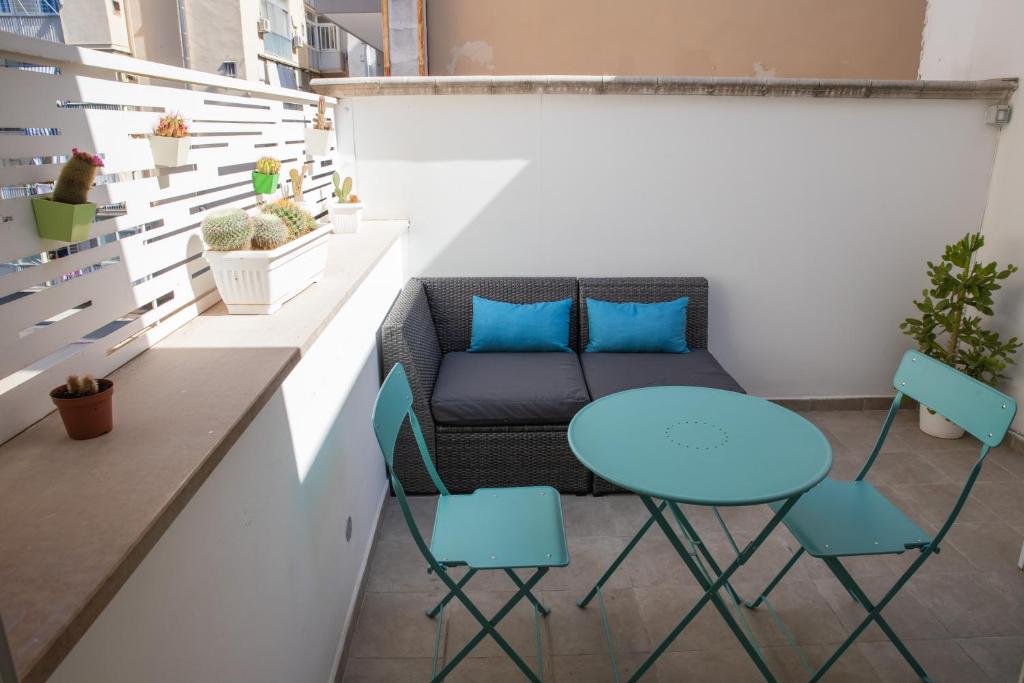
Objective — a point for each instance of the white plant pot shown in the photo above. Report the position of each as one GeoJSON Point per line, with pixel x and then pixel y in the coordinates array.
{"type": "Point", "coordinates": [935, 425]}
{"type": "Point", "coordinates": [169, 152]}
{"type": "Point", "coordinates": [261, 281]}
{"type": "Point", "coordinates": [318, 142]}
{"type": "Point", "coordinates": [346, 217]}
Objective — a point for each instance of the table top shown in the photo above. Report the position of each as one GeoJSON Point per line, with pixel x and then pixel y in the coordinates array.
{"type": "Point", "coordinates": [701, 446]}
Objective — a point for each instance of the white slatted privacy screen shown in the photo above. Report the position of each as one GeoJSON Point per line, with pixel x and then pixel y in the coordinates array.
{"type": "Point", "coordinates": [92, 306]}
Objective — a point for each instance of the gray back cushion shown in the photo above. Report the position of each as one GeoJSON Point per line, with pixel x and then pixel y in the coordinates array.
{"type": "Point", "coordinates": [649, 290]}
{"type": "Point", "coordinates": [451, 302]}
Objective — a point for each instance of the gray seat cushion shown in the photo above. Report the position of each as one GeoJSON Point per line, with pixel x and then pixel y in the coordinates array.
{"type": "Point", "coordinates": [607, 373]}
{"type": "Point", "coordinates": [508, 388]}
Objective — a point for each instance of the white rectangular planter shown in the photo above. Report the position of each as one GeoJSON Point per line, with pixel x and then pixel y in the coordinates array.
{"type": "Point", "coordinates": [346, 217]}
{"type": "Point", "coordinates": [261, 281]}
{"type": "Point", "coordinates": [318, 142]}
{"type": "Point", "coordinates": [169, 152]}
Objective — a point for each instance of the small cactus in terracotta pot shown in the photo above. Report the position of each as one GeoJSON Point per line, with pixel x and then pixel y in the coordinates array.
{"type": "Point", "coordinates": [85, 405]}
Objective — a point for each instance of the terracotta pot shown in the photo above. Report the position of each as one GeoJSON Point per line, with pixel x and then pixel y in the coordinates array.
{"type": "Point", "coordinates": [88, 416]}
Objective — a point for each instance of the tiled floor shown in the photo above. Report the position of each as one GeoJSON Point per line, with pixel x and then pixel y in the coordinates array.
{"type": "Point", "coordinates": [962, 615]}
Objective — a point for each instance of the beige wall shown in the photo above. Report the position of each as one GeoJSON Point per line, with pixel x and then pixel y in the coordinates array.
{"type": "Point", "coordinates": [92, 23]}
{"type": "Point", "coordinates": [785, 38]}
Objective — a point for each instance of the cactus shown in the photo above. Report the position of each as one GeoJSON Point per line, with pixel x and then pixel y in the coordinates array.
{"type": "Point", "coordinates": [77, 387]}
{"type": "Point", "coordinates": [171, 126]}
{"type": "Point", "coordinates": [342, 188]}
{"type": "Point", "coordinates": [268, 231]}
{"type": "Point", "coordinates": [298, 220]}
{"type": "Point", "coordinates": [320, 122]}
{"type": "Point", "coordinates": [297, 176]}
{"type": "Point", "coordinates": [76, 178]}
{"type": "Point", "coordinates": [268, 166]}
{"type": "Point", "coordinates": [227, 231]}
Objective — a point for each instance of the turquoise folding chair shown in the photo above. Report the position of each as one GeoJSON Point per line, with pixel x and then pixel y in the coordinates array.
{"type": "Point", "coordinates": [847, 518]}
{"type": "Point", "coordinates": [501, 528]}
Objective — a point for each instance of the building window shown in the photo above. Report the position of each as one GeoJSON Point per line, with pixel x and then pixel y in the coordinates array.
{"type": "Point", "coordinates": [228, 69]}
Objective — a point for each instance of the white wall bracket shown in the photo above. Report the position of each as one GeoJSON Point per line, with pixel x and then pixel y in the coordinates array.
{"type": "Point", "coordinates": [999, 114]}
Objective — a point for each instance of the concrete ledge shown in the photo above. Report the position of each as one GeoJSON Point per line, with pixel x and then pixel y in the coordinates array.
{"type": "Point", "coordinates": [80, 516]}
{"type": "Point", "coordinates": [994, 89]}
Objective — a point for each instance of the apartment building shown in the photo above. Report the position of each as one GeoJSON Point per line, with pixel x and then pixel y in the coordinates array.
{"type": "Point", "coordinates": [280, 42]}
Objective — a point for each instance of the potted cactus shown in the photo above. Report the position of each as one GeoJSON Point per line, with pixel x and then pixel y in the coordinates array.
{"type": "Point", "coordinates": [318, 138]}
{"type": "Point", "coordinates": [949, 328]}
{"type": "Point", "coordinates": [264, 178]}
{"type": "Point", "coordinates": [346, 213]}
{"type": "Point", "coordinates": [261, 261]}
{"type": "Point", "coordinates": [85, 405]}
{"type": "Point", "coordinates": [169, 142]}
{"type": "Point", "coordinates": [67, 214]}
{"type": "Point", "coordinates": [297, 176]}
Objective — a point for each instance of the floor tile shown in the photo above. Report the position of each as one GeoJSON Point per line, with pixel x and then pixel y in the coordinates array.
{"type": "Point", "coordinates": [579, 631]}
{"type": "Point", "coordinates": [395, 670]}
{"type": "Point", "coordinates": [957, 465]}
{"type": "Point", "coordinates": [662, 608]}
{"type": "Point", "coordinates": [905, 613]}
{"type": "Point", "coordinates": [968, 606]}
{"type": "Point", "coordinates": [518, 627]}
{"type": "Point", "coordinates": [1005, 499]}
{"type": "Point", "coordinates": [588, 560]}
{"type": "Point", "coordinates": [399, 566]}
{"type": "Point", "coordinates": [1000, 658]}
{"type": "Point", "coordinates": [394, 625]}
{"type": "Point", "coordinates": [944, 660]}
{"type": "Point", "coordinates": [598, 668]}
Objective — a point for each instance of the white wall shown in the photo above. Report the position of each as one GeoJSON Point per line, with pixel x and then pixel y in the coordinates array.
{"type": "Point", "coordinates": [254, 581]}
{"type": "Point", "coordinates": [812, 218]}
{"type": "Point", "coordinates": [975, 40]}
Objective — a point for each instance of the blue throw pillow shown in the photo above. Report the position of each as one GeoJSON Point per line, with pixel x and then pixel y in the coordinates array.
{"type": "Point", "coordinates": [658, 328]}
{"type": "Point", "coordinates": [499, 326]}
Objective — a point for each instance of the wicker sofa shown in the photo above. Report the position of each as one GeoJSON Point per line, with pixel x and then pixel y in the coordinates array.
{"type": "Point", "coordinates": [500, 419]}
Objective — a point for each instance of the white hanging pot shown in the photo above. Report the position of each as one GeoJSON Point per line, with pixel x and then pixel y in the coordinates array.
{"type": "Point", "coordinates": [169, 152]}
{"type": "Point", "coordinates": [318, 142]}
{"type": "Point", "coordinates": [261, 281]}
{"type": "Point", "coordinates": [346, 217]}
{"type": "Point", "coordinates": [935, 425]}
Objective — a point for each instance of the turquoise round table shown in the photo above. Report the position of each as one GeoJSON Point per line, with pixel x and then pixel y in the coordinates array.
{"type": "Point", "coordinates": [703, 447]}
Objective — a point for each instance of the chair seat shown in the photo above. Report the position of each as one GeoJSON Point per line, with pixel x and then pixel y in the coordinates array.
{"type": "Point", "coordinates": [504, 528]}
{"type": "Point", "coordinates": [843, 518]}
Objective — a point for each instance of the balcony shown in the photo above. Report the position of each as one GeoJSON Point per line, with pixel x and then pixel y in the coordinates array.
{"type": "Point", "coordinates": [236, 524]}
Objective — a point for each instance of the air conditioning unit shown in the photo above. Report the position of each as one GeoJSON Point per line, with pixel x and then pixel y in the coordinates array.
{"type": "Point", "coordinates": [296, 41]}
{"type": "Point", "coordinates": [262, 25]}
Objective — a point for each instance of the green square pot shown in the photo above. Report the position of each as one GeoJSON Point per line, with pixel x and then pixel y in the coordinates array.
{"type": "Point", "coordinates": [263, 183]}
{"type": "Point", "coordinates": [63, 222]}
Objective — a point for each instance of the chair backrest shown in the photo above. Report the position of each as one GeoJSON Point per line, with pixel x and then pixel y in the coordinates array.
{"type": "Point", "coordinates": [982, 411]}
{"type": "Point", "coordinates": [390, 411]}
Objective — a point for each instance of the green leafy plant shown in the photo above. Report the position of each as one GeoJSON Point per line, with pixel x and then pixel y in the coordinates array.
{"type": "Point", "coordinates": [949, 328]}
{"type": "Point", "coordinates": [268, 166]}
{"type": "Point", "coordinates": [227, 231]}
{"type": "Point", "coordinates": [76, 178]}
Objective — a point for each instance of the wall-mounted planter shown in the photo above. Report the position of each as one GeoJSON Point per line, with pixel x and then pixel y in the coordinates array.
{"type": "Point", "coordinates": [318, 142]}
{"type": "Point", "coordinates": [86, 417]}
{"type": "Point", "coordinates": [346, 217]}
{"type": "Point", "coordinates": [263, 183]}
{"type": "Point", "coordinates": [63, 222]}
{"type": "Point", "coordinates": [169, 152]}
{"type": "Point", "coordinates": [261, 281]}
